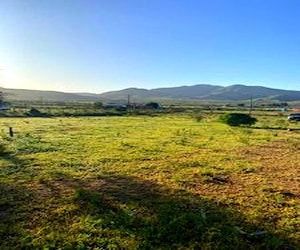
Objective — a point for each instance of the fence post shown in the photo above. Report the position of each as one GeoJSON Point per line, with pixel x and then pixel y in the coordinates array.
{"type": "Point", "coordinates": [11, 133]}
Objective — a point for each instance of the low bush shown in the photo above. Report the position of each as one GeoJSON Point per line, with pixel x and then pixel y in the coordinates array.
{"type": "Point", "coordinates": [238, 119]}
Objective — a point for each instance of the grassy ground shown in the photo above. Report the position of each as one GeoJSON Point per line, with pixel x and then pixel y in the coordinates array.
{"type": "Point", "coordinates": [166, 182]}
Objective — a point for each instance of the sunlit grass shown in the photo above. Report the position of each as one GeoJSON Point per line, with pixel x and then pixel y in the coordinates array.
{"type": "Point", "coordinates": [166, 182]}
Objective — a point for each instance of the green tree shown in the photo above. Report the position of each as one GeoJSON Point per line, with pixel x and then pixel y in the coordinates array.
{"type": "Point", "coordinates": [98, 105]}
{"type": "Point", "coordinates": [152, 105]}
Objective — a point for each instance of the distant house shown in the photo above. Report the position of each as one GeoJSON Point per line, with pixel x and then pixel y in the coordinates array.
{"type": "Point", "coordinates": [4, 106]}
{"type": "Point", "coordinates": [121, 106]}
{"type": "Point", "coordinates": [115, 105]}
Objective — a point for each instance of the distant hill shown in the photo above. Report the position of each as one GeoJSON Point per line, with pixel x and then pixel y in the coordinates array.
{"type": "Point", "coordinates": [183, 92]}
{"type": "Point", "coordinates": [242, 92]}
{"type": "Point", "coordinates": [207, 92]}
{"type": "Point", "coordinates": [37, 95]}
{"type": "Point", "coordinates": [195, 92]}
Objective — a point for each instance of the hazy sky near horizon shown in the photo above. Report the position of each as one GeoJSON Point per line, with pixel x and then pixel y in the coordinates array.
{"type": "Point", "coordinates": [103, 45]}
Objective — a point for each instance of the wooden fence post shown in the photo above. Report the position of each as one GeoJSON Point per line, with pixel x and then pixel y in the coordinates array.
{"type": "Point", "coordinates": [11, 133]}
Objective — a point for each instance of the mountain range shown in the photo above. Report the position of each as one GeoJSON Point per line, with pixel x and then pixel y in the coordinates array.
{"type": "Point", "coordinates": [195, 92]}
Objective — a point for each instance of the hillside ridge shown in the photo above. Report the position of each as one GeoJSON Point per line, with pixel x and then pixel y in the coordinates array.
{"type": "Point", "coordinates": [237, 92]}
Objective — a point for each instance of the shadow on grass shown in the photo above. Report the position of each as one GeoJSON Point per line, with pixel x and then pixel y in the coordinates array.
{"type": "Point", "coordinates": [132, 213]}
{"type": "Point", "coordinates": [15, 165]}
{"type": "Point", "coordinates": [275, 128]}
{"type": "Point", "coordinates": [13, 215]}
{"type": "Point", "coordinates": [122, 212]}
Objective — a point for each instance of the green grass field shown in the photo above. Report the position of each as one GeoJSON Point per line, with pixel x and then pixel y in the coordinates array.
{"type": "Point", "coordinates": [165, 182]}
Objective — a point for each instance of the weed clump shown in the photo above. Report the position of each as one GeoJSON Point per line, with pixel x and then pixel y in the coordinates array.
{"type": "Point", "coordinates": [198, 117]}
{"type": "Point", "coordinates": [2, 148]}
{"type": "Point", "coordinates": [238, 119]}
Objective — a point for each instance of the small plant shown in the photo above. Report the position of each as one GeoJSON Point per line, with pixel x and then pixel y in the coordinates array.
{"type": "Point", "coordinates": [238, 119]}
{"type": "Point", "coordinates": [2, 148]}
{"type": "Point", "coordinates": [198, 117]}
{"type": "Point", "coordinates": [4, 143]}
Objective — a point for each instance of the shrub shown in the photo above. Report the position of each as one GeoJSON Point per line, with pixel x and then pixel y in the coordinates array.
{"type": "Point", "coordinates": [152, 105]}
{"type": "Point", "coordinates": [98, 105]}
{"type": "Point", "coordinates": [238, 119]}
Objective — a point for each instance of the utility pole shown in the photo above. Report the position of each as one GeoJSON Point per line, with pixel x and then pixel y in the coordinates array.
{"type": "Point", "coordinates": [1, 97]}
{"type": "Point", "coordinates": [128, 100]}
{"type": "Point", "coordinates": [251, 104]}
{"type": "Point", "coordinates": [1, 93]}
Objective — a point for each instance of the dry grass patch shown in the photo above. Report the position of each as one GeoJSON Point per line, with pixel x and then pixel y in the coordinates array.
{"type": "Point", "coordinates": [279, 165]}
{"type": "Point", "coordinates": [269, 194]}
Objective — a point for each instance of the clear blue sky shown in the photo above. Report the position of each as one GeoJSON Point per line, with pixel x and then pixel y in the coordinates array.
{"type": "Point", "coordinates": [102, 45]}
